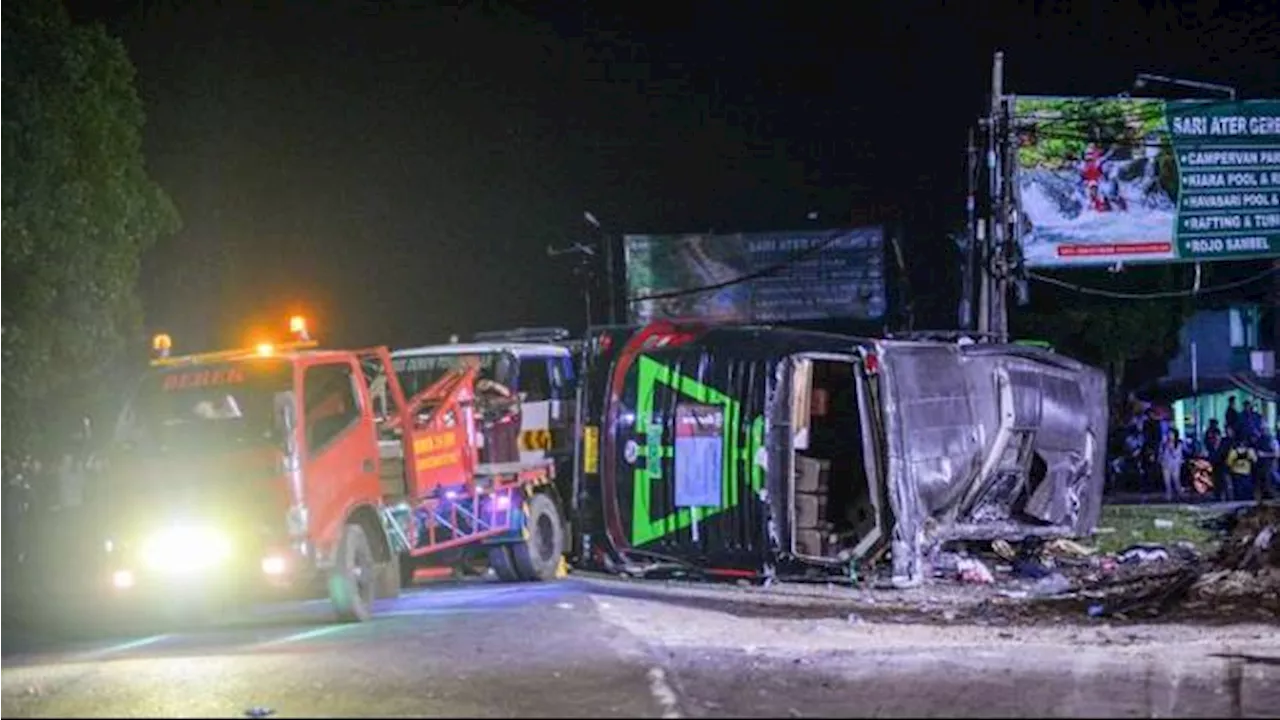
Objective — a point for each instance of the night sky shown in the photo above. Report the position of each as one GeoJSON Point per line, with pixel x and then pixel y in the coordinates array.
{"type": "Point", "coordinates": [397, 170]}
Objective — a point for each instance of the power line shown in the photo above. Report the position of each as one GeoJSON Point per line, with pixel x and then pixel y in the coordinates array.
{"type": "Point", "coordinates": [1162, 295]}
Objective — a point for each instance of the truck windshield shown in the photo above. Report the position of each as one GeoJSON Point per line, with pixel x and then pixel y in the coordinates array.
{"type": "Point", "coordinates": [215, 404]}
{"type": "Point", "coordinates": [418, 372]}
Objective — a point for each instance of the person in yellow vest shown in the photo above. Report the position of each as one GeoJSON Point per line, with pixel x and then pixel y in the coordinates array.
{"type": "Point", "coordinates": [1240, 460]}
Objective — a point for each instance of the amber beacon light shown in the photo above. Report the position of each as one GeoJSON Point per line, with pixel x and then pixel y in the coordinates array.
{"type": "Point", "coordinates": [298, 326]}
{"type": "Point", "coordinates": [161, 344]}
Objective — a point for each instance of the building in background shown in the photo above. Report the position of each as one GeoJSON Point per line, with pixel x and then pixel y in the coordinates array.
{"type": "Point", "coordinates": [1223, 353]}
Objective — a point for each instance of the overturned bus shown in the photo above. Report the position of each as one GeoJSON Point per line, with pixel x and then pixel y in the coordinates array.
{"type": "Point", "coordinates": [774, 453]}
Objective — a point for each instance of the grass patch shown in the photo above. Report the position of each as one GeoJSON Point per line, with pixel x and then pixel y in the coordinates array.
{"type": "Point", "coordinates": [1124, 525]}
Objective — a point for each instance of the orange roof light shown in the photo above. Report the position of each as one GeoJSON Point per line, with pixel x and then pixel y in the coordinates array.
{"type": "Point", "coordinates": [161, 343]}
{"type": "Point", "coordinates": [266, 349]}
{"type": "Point", "coordinates": [298, 326]}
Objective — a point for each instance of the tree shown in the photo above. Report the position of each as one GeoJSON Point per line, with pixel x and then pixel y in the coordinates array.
{"type": "Point", "coordinates": [78, 211]}
{"type": "Point", "coordinates": [1108, 332]}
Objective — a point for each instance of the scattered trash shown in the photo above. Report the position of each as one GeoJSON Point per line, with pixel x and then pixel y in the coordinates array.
{"type": "Point", "coordinates": [1096, 610]}
{"type": "Point", "coordinates": [946, 564]}
{"type": "Point", "coordinates": [1003, 549]}
{"type": "Point", "coordinates": [564, 605]}
{"type": "Point", "coordinates": [1014, 594]}
{"type": "Point", "coordinates": [1186, 550]}
{"type": "Point", "coordinates": [1243, 577]}
{"type": "Point", "coordinates": [1260, 543]}
{"type": "Point", "coordinates": [1163, 524]}
{"type": "Point", "coordinates": [949, 615]}
{"type": "Point", "coordinates": [1031, 568]}
{"type": "Point", "coordinates": [854, 619]}
{"type": "Point", "coordinates": [1069, 548]}
{"type": "Point", "coordinates": [974, 571]}
{"type": "Point", "coordinates": [259, 712]}
{"type": "Point", "coordinates": [1055, 584]}
{"type": "Point", "coordinates": [1143, 553]}
{"type": "Point", "coordinates": [1104, 530]}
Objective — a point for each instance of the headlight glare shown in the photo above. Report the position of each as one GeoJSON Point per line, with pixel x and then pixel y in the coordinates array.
{"type": "Point", "coordinates": [185, 549]}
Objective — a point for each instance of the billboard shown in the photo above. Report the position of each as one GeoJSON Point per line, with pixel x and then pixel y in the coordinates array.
{"type": "Point", "coordinates": [1103, 180]}
{"type": "Point", "coordinates": [757, 277]}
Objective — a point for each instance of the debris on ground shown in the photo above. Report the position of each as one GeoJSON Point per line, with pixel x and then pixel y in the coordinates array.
{"type": "Point", "coordinates": [1029, 581]}
{"type": "Point", "coordinates": [973, 570]}
{"type": "Point", "coordinates": [1140, 554]}
{"type": "Point", "coordinates": [1053, 584]}
{"type": "Point", "coordinates": [1004, 550]}
{"type": "Point", "coordinates": [1069, 548]}
{"type": "Point", "coordinates": [1059, 579]}
{"type": "Point", "coordinates": [1242, 577]}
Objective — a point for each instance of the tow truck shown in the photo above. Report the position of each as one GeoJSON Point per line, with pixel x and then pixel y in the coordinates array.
{"type": "Point", "coordinates": [264, 471]}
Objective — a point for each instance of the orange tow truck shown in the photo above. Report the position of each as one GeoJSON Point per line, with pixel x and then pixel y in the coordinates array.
{"type": "Point", "coordinates": [285, 469]}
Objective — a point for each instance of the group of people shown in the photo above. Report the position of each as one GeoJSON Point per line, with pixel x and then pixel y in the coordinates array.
{"type": "Point", "coordinates": [1232, 460]}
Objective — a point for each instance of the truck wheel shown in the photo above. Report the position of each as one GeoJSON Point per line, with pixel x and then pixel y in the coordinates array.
{"type": "Point", "coordinates": [389, 577]}
{"type": "Point", "coordinates": [538, 557]}
{"type": "Point", "coordinates": [353, 580]}
{"type": "Point", "coordinates": [503, 564]}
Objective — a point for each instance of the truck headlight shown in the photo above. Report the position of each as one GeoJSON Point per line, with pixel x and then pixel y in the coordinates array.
{"type": "Point", "coordinates": [185, 549]}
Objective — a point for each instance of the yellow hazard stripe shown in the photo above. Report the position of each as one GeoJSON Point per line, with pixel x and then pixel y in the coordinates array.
{"type": "Point", "coordinates": [531, 440]}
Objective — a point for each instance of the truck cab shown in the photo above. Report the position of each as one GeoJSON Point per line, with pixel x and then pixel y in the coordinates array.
{"type": "Point", "coordinates": [247, 474]}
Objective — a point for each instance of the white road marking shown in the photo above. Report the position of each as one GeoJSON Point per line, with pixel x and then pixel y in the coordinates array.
{"type": "Point", "coordinates": [122, 647]}
{"type": "Point", "coordinates": [307, 635]}
{"type": "Point", "coordinates": [430, 611]}
{"type": "Point", "coordinates": [663, 693]}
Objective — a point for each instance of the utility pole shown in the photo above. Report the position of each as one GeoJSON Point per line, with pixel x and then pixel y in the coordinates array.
{"type": "Point", "coordinates": [583, 270]}
{"type": "Point", "coordinates": [968, 299]}
{"type": "Point", "coordinates": [611, 290]}
{"type": "Point", "coordinates": [991, 306]}
{"type": "Point", "coordinates": [997, 267]}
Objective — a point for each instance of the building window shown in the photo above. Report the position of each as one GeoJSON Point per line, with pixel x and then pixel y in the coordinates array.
{"type": "Point", "coordinates": [1237, 322]}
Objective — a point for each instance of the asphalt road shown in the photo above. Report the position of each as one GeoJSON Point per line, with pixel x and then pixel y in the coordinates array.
{"type": "Point", "coordinates": [580, 648]}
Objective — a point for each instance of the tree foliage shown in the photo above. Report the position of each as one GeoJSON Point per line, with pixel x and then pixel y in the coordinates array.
{"type": "Point", "coordinates": [1064, 127]}
{"type": "Point", "coordinates": [78, 211]}
{"type": "Point", "coordinates": [1060, 130]}
{"type": "Point", "coordinates": [1108, 332]}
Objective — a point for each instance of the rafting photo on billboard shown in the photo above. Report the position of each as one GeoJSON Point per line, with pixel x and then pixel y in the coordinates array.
{"type": "Point", "coordinates": [1097, 180]}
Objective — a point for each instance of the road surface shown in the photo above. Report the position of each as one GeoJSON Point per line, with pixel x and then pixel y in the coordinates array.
{"type": "Point", "coordinates": [588, 648]}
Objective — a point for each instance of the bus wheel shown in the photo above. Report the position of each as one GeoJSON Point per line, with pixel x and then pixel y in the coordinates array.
{"type": "Point", "coordinates": [538, 556]}
{"type": "Point", "coordinates": [353, 580]}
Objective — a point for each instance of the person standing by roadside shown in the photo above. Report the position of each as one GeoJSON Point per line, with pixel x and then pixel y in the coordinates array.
{"type": "Point", "coordinates": [1240, 460]}
{"type": "Point", "coordinates": [1171, 465]}
{"type": "Point", "coordinates": [1264, 475]}
{"type": "Point", "coordinates": [1152, 439]}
